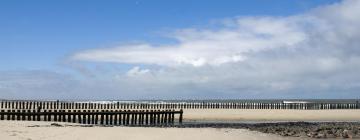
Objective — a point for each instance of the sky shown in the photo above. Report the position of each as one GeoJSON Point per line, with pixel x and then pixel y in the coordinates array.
{"type": "Point", "coordinates": [134, 49]}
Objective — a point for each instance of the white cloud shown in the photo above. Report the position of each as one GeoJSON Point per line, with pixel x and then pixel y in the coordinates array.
{"type": "Point", "coordinates": [313, 54]}
{"type": "Point", "coordinates": [324, 27]}
{"type": "Point", "coordinates": [199, 47]}
{"type": "Point", "coordinates": [316, 52]}
{"type": "Point", "coordinates": [136, 71]}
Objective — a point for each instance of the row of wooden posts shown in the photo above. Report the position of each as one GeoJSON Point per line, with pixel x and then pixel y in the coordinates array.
{"type": "Point", "coordinates": [102, 117]}
{"type": "Point", "coordinates": [172, 105]}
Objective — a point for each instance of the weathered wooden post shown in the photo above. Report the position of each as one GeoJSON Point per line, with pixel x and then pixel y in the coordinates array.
{"type": "Point", "coordinates": [132, 117]}
{"type": "Point", "coordinates": [162, 117]}
{"type": "Point", "coordinates": [181, 116]}
{"type": "Point", "coordinates": [110, 117]}
{"type": "Point", "coordinates": [45, 116]}
{"type": "Point", "coordinates": [147, 117]}
{"type": "Point", "coordinates": [88, 112]}
{"type": "Point", "coordinates": [106, 117]}
{"type": "Point", "coordinates": [63, 114]}
{"type": "Point", "coordinates": [8, 115]}
{"type": "Point", "coordinates": [18, 115]}
{"type": "Point", "coordinates": [124, 117]}
{"type": "Point", "coordinates": [23, 115]}
{"type": "Point", "coordinates": [29, 115]}
{"type": "Point", "coordinates": [97, 117]}
{"type": "Point", "coordinates": [151, 117]}
{"type": "Point", "coordinates": [2, 115]}
{"type": "Point", "coordinates": [38, 116]}
{"type": "Point", "coordinates": [166, 117]}
{"type": "Point", "coordinates": [173, 117]}
{"type": "Point", "coordinates": [73, 116]}
{"type": "Point", "coordinates": [116, 117]}
{"type": "Point", "coordinates": [128, 117]}
{"type": "Point", "coordinates": [92, 117]}
{"type": "Point", "coordinates": [142, 117]}
{"type": "Point", "coordinates": [102, 117]}
{"type": "Point", "coordinates": [158, 117]}
{"type": "Point", "coordinates": [79, 113]}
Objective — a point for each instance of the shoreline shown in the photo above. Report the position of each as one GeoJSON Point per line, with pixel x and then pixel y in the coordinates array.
{"type": "Point", "coordinates": [215, 123]}
{"type": "Point", "coordinates": [278, 130]}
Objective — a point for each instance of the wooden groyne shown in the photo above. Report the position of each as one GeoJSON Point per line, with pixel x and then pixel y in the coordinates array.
{"type": "Point", "coordinates": [102, 117]}
{"type": "Point", "coordinates": [6, 104]}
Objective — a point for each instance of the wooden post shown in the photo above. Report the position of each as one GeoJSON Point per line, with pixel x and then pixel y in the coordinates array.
{"type": "Point", "coordinates": [45, 116]}
{"type": "Point", "coordinates": [92, 116]}
{"type": "Point", "coordinates": [79, 116]}
{"type": "Point", "coordinates": [111, 117]}
{"type": "Point", "coordinates": [63, 115]}
{"type": "Point", "coordinates": [68, 116]}
{"type": "Point", "coordinates": [120, 115]}
{"type": "Point", "coordinates": [102, 117]}
{"type": "Point", "coordinates": [107, 117]}
{"type": "Point", "coordinates": [128, 117]}
{"type": "Point", "coordinates": [142, 117]}
{"type": "Point", "coordinates": [116, 117]}
{"type": "Point", "coordinates": [132, 117]}
{"type": "Point", "coordinates": [124, 116]}
{"type": "Point", "coordinates": [181, 116]}
{"type": "Point", "coordinates": [162, 117]}
{"type": "Point", "coordinates": [88, 117]}
{"type": "Point", "coordinates": [151, 117]}
{"type": "Point", "coordinates": [23, 115]}
{"type": "Point", "coordinates": [18, 115]}
{"type": "Point", "coordinates": [166, 117]}
{"type": "Point", "coordinates": [29, 116]}
{"type": "Point", "coordinates": [172, 117]}
{"type": "Point", "coordinates": [2, 115]}
{"type": "Point", "coordinates": [147, 117]}
{"type": "Point", "coordinates": [73, 116]}
{"type": "Point", "coordinates": [97, 117]}
{"type": "Point", "coordinates": [8, 115]}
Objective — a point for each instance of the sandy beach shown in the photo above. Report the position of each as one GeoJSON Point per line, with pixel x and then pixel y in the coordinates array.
{"type": "Point", "coordinates": [20, 130]}
{"type": "Point", "coordinates": [270, 115]}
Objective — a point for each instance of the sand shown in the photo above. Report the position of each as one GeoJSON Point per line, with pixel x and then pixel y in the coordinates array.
{"type": "Point", "coordinates": [19, 130]}
{"type": "Point", "coordinates": [270, 115]}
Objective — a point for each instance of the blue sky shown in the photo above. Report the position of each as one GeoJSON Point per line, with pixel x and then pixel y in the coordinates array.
{"type": "Point", "coordinates": [37, 34]}
{"type": "Point", "coordinates": [172, 49]}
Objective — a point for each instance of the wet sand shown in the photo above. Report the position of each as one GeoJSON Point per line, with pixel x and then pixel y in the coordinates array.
{"type": "Point", "coordinates": [20, 130]}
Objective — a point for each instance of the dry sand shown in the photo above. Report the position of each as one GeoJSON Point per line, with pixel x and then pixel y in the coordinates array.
{"type": "Point", "coordinates": [270, 115]}
{"type": "Point", "coordinates": [19, 130]}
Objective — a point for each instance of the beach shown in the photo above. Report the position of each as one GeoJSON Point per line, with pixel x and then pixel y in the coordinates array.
{"type": "Point", "coordinates": [27, 130]}
{"type": "Point", "coordinates": [35, 130]}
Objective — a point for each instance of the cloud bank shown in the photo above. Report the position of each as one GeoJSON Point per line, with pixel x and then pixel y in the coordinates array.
{"type": "Point", "coordinates": [310, 55]}
{"type": "Point", "coordinates": [324, 27]}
